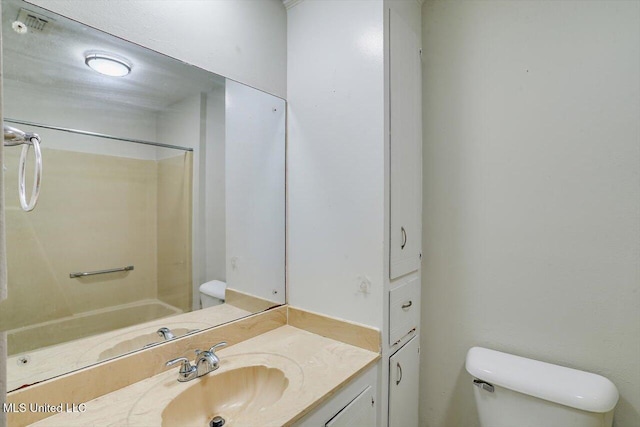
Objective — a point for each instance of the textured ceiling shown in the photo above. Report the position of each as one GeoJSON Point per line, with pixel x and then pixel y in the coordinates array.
{"type": "Point", "coordinates": [53, 60]}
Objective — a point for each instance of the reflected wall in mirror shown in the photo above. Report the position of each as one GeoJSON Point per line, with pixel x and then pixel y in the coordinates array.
{"type": "Point", "coordinates": [176, 173]}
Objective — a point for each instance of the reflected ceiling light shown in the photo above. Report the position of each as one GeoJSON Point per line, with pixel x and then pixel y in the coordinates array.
{"type": "Point", "coordinates": [108, 65]}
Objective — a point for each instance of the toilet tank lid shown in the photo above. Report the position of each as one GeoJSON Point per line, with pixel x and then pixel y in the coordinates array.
{"type": "Point", "coordinates": [214, 288]}
{"type": "Point", "coordinates": [566, 386]}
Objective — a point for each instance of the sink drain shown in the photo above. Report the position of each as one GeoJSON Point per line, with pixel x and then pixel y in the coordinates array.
{"type": "Point", "coordinates": [216, 422]}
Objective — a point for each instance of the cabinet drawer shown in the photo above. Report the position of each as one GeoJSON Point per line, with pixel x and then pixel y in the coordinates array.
{"type": "Point", "coordinates": [404, 310]}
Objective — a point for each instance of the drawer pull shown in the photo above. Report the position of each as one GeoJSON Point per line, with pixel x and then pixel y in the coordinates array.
{"type": "Point", "coordinates": [399, 373]}
{"type": "Point", "coordinates": [404, 238]}
{"type": "Point", "coordinates": [406, 305]}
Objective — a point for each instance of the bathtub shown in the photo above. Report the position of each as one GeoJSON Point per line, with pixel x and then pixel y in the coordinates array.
{"type": "Point", "coordinates": [85, 324]}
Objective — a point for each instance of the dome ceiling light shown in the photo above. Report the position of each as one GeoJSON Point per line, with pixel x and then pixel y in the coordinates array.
{"type": "Point", "coordinates": [108, 65]}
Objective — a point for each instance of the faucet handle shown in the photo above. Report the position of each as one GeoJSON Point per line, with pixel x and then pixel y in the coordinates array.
{"type": "Point", "coordinates": [216, 346]}
{"type": "Point", "coordinates": [186, 372]}
{"type": "Point", "coordinates": [184, 368]}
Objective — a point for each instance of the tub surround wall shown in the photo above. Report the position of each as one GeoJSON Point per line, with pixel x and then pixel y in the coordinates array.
{"type": "Point", "coordinates": [183, 123]}
{"type": "Point", "coordinates": [71, 231]}
{"type": "Point", "coordinates": [174, 279]}
{"type": "Point", "coordinates": [128, 177]}
{"type": "Point", "coordinates": [78, 186]}
{"type": "Point", "coordinates": [85, 324]}
{"type": "Point", "coordinates": [531, 195]}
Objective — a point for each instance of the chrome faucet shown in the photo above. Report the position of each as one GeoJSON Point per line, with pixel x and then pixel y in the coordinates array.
{"type": "Point", "coordinates": [205, 362]}
{"type": "Point", "coordinates": [165, 333]}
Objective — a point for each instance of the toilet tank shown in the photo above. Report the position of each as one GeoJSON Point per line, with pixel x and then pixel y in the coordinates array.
{"type": "Point", "coordinates": [513, 391]}
{"type": "Point", "coordinates": [212, 293]}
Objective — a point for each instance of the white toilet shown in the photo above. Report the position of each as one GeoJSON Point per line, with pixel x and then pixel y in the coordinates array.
{"type": "Point", "coordinates": [513, 391]}
{"type": "Point", "coordinates": [212, 293]}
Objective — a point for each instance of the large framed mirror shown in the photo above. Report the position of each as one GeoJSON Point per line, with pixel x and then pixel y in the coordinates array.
{"type": "Point", "coordinates": [161, 209]}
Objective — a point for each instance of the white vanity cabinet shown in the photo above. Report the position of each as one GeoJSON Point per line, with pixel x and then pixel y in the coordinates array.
{"type": "Point", "coordinates": [404, 385]}
{"type": "Point", "coordinates": [405, 140]}
{"type": "Point", "coordinates": [354, 405]}
{"type": "Point", "coordinates": [404, 109]}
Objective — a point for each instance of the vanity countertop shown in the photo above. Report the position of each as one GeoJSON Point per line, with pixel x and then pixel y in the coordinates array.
{"type": "Point", "coordinates": [315, 367]}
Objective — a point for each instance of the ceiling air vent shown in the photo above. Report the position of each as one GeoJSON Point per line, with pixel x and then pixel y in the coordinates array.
{"type": "Point", "coordinates": [32, 20]}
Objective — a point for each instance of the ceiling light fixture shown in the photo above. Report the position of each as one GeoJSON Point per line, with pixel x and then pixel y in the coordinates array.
{"type": "Point", "coordinates": [108, 65]}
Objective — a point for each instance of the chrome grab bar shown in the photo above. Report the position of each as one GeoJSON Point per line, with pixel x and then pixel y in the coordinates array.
{"type": "Point", "coordinates": [93, 273]}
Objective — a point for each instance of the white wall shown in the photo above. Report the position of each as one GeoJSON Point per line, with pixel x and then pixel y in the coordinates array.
{"type": "Point", "coordinates": [335, 158]}
{"type": "Point", "coordinates": [242, 40]}
{"type": "Point", "coordinates": [531, 193]}
{"type": "Point", "coordinates": [255, 192]}
{"type": "Point", "coordinates": [56, 109]}
{"type": "Point", "coordinates": [215, 205]}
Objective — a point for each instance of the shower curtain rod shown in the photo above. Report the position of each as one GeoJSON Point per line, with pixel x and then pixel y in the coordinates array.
{"type": "Point", "coordinates": [99, 135]}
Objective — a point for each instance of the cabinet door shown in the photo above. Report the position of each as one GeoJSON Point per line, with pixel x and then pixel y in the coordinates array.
{"type": "Point", "coordinates": [361, 411]}
{"type": "Point", "coordinates": [403, 385]}
{"type": "Point", "coordinates": [353, 405]}
{"type": "Point", "coordinates": [405, 145]}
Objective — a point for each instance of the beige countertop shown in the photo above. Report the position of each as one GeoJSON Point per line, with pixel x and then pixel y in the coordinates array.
{"type": "Point", "coordinates": [302, 369]}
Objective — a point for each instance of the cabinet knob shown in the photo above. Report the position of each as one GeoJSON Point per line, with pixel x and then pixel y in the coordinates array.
{"type": "Point", "coordinates": [406, 305]}
{"type": "Point", "coordinates": [399, 373]}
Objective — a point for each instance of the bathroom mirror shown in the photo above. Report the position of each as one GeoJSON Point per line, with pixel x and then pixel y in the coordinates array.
{"type": "Point", "coordinates": [162, 202]}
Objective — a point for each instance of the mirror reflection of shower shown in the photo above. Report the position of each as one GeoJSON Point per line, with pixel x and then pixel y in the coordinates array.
{"type": "Point", "coordinates": [14, 137]}
{"type": "Point", "coordinates": [162, 211]}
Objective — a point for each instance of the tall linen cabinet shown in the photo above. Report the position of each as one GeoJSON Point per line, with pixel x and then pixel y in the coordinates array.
{"type": "Point", "coordinates": [355, 180]}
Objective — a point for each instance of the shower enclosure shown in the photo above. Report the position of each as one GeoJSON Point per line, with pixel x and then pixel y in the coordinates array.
{"type": "Point", "coordinates": [109, 244]}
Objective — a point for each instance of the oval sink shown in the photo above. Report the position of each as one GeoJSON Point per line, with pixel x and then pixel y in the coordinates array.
{"type": "Point", "coordinates": [232, 395]}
